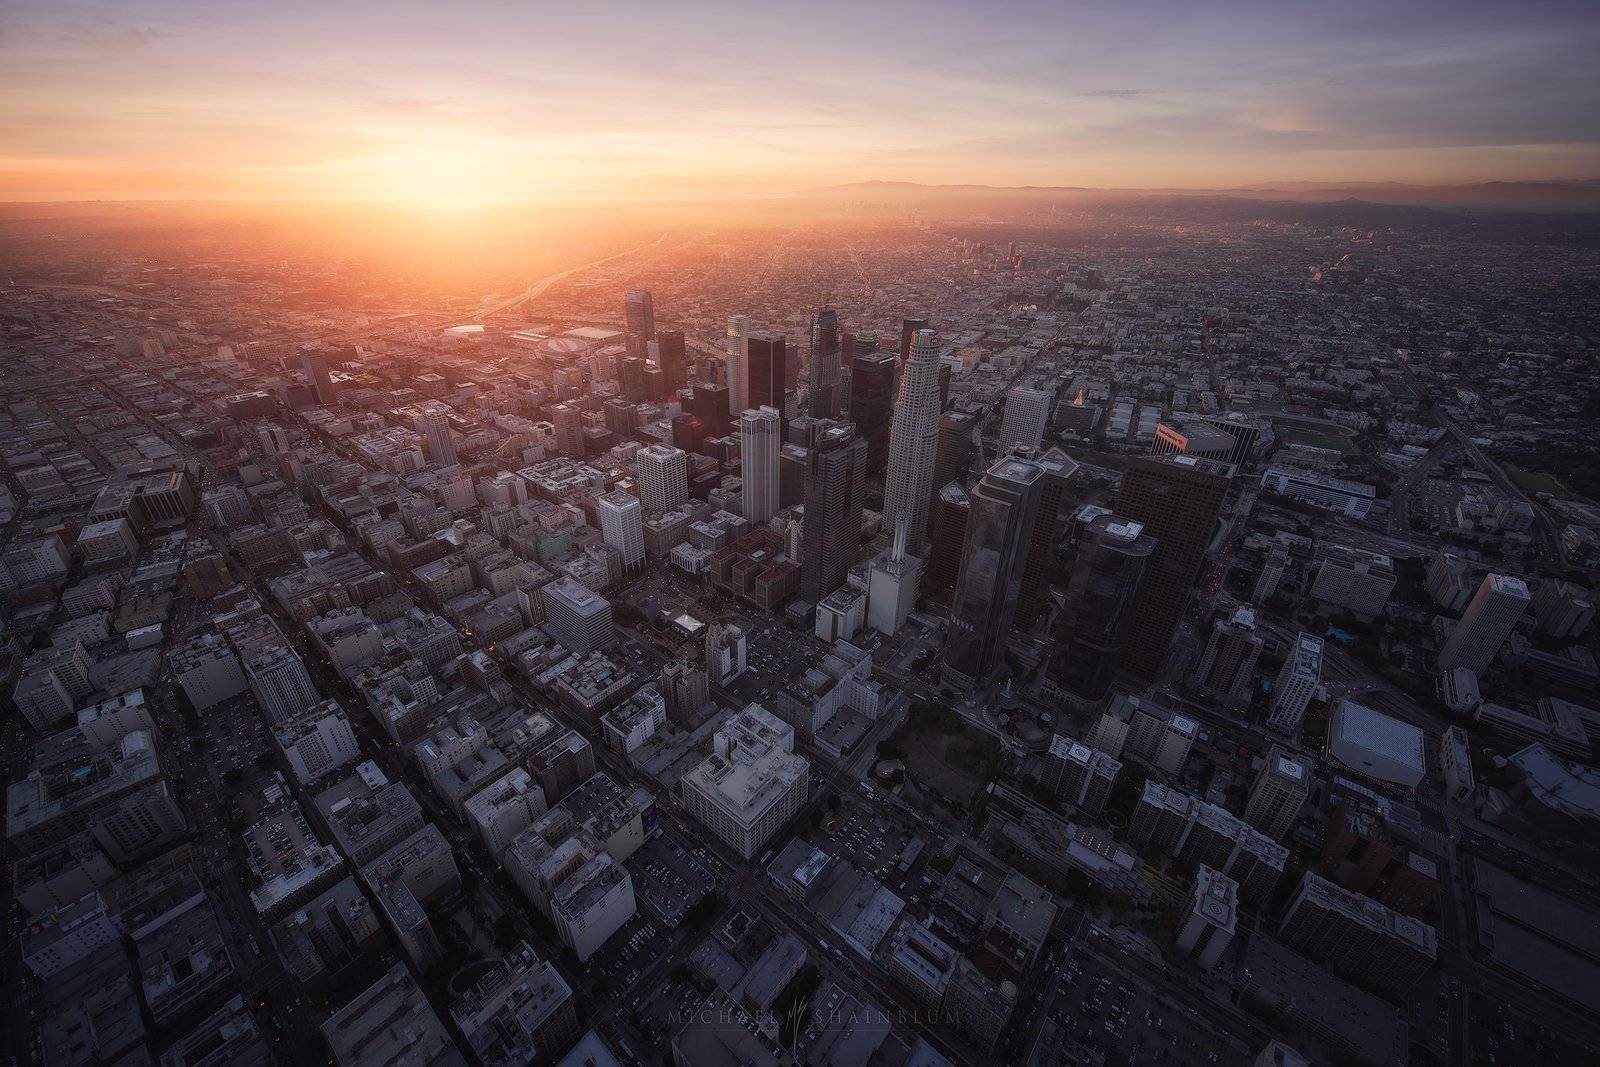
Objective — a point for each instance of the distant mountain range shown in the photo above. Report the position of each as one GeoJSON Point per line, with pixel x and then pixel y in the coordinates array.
{"type": "Point", "coordinates": [1555, 196]}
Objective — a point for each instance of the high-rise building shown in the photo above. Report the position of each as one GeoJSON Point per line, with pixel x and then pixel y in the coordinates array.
{"type": "Point", "coordinates": [673, 359]}
{"type": "Point", "coordinates": [1267, 582]}
{"type": "Point", "coordinates": [1562, 609]}
{"type": "Point", "coordinates": [957, 444]}
{"type": "Point", "coordinates": [1027, 413]}
{"type": "Point", "coordinates": [948, 525]}
{"type": "Point", "coordinates": [640, 308]}
{"type": "Point", "coordinates": [1003, 507]}
{"type": "Point", "coordinates": [711, 405]}
{"type": "Point", "coordinates": [441, 448]}
{"type": "Point", "coordinates": [315, 367]}
{"type": "Point", "coordinates": [569, 429]}
{"type": "Point", "coordinates": [663, 477]}
{"type": "Point", "coordinates": [874, 380]}
{"type": "Point", "coordinates": [892, 585]}
{"type": "Point", "coordinates": [1358, 938]}
{"type": "Point", "coordinates": [1488, 621]}
{"type": "Point", "coordinates": [1297, 684]}
{"type": "Point", "coordinates": [1080, 775]}
{"type": "Point", "coordinates": [831, 534]}
{"type": "Point", "coordinates": [1044, 542]}
{"type": "Point", "coordinates": [751, 784]}
{"type": "Point", "coordinates": [738, 365]}
{"type": "Point", "coordinates": [1278, 794]}
{"type": "Point", "coordinates": [630, 376]}
{"type": "Point", "coordinates": [1209, 917]}
{"type": "Point", "coordinates": [1352, 578]}
{"type": "Point", "coordinates": [622, 526]}
{"type": "Point", "coordinates": [1229, 660]}
{"type": "Point", "coordinates": [1177, 500]}
{"type": "Point", "coordinates": [577, 617]}
{"type": "Point", "coordinates": [1097, 610]}
{"type": "Point", "coordinates": [760, 432]}
{"type": "Point", "coordinates": [913, 442]}
{"type": "Point", "coordinates": [908, 335]}
{"type": "Point", "coordinates": [825, 365]}
{"type": "Point", "coordinates": [767, 364]}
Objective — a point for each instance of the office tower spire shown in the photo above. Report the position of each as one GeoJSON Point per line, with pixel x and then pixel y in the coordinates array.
{"type": "Point", "coordinates": [914, 441]}
{"type": "Point", "coordinates": [1003, 507]}
{"type": "Point", "coordinates": [825, 365]}
{"type": "Point", "coordinates": [760, 441]}
{"type": "Point", "coordinates": [831, 534]}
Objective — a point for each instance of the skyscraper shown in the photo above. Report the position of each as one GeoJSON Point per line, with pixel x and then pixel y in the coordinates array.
{"type": "Point", "coordinates": [892, 585]}
{"type": "Point", "coordinates": [1177, 499]}
{"type": "Point", "coordinates": [738, 364]}
{"type": "Point", "coordinates": [622, 526]}
{"type": "Point", "coordinates": [1027, 412]}
{"type": "Point", "coordinates": [1297, 684]}
{"type": "Point", "coordinates": [913, 442]}
{"type": "Point", "coordinates": [672, 357]}
{"type": "Point", "coordinates": [873, 389]}
{"type": "Point", "coordinates": [1003, 506]}
{"type": "Point", "coordinates": [948, 528]}
{"type": "Point", "coordinates": [760, 439]}
{"type": "Point", "coordinates": [712, 403]}
{"type": "Point", "coordinates": [953, 457]}
{"type": "Point", "coordinates": [1059, 470]}
{"type": "Point", "coordinates": [831, 534]}
{"type": "Point", "coordinates": [1097, 611]}
{"type": "Point", "coordinates": [768, 372]}
{"type": "Point", "coordinates": [631, 378]}
{"type": "Point", "coordinates": [1230, 655]}
{"type": "Point", "coordinates": [315, 366]}
{"type": "Point", "coordinates": [825, 365]}
{"type": "Point", "coordinates": [908, 334]}
{"type": "Point", "coordinates": [569, 429]}
{"type": "Point", "coordinates": [640, 309]}
{"type": "Point", "coordinates": [1488, 621]}
{"type": "Point", "coordinates": [1279, 791]}
{"type": "Point", "coordinates": [436, 425]}
{"type": "Point", "coordinates": [663, 477]}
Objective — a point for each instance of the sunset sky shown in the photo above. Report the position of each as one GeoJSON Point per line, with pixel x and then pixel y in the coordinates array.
{"type": "Point", "coordinates": [447, 104]}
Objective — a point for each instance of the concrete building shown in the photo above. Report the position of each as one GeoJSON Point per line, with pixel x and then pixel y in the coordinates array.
{"type": "Point", "coordinates": [1376, 745]}
{"type": "Point", "coordinates": [1455, 761]}
{"type": "Point", "coordinates": [1209, 917]}
{"type": "Point", "coordinates": [316, 742]}
{"type": "Point", "coordinates": [1353, 579]}
{"type": "Point", "coordinates": [501, 811]}
{"type": "Point", "coordinates": [1487, 622]}
{"type": "Point", "coordinates": [1273, 565]}
{"type": "Point", "coordinates": [751, 785]}
{"type": "Point", "coordinates": [1448, 582]}
{"type": "Point", "coordinates": [1280, 790]}
{"type": "Point", "coordinates": [1078, 774]}
{"type": "Point", "coordinates": [521, 1011]}
{"type": "Point", "coordinates": [1027, 414]}
{"type": "Point", "coordinates": [1350, 499]}
{"type": "Point", "coordinates": [1137, 726]}
{"type": "Point", "coordinates": [1563, 610]}
{"type": "Point", "coordinates": [1298, 682]}
{"type": "Point", "coordinates": [435, 426]}
{"type": "Point", "coordinates": [831, 533]}
{"type": "Point", "coordinates": [663, 477]}
{"type": "Point", "coordinates": [579, 619]}
{"type": "Point", "coordinates": [622, 526]}
{"type": "Point", "coordinates": [369, 1029]}
{"type": "Point", "coordinates": [760, 441]}
{"type": "Point", "coordinates": [1358, 938]}
{"type": "Point", "coordinates": [1227, 665]}
{"type": "Point", "coordinates": [1458, 690]}
{"type": "Point", "coordinates": [893, 582]}
{"type": "Point", "coordinates": [913, 441]}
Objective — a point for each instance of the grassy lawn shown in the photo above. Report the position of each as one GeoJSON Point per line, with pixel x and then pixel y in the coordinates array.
{"type": "Point", "coordinates": [1537, 482]}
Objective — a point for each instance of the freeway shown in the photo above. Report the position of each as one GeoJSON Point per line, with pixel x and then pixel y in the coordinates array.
{"type": "Point", "coordinates": [537, 289]}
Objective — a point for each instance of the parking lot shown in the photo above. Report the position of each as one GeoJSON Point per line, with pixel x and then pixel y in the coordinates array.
{"type": "Point", "coordinates": [1097, 1011]}
{"type": "Point", "coordinates": [626, 954]}
{"type": "Point", "coordinates": [872, 842]}
{"type": "Point", "coordinates": [235, 736]}
{"type": "Point", "coordinates": [669, 879]}
{"type": "Point", "coordinates": [1506, 1038]}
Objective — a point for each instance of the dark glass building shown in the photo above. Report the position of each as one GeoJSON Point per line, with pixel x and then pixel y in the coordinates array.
{"type": "Point", "coordinates": [1097, 611]}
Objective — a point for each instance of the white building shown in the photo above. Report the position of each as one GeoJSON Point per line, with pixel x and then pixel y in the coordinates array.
{"type": "Point", "coordinates": [893, 581]}
{"type": "Point", "coordinates": [1352, 499]}
{"type": "Point", "coordinates": [1297, 683]}
{"type": "Point", "coordinates": [760, 443]}
{"type": "Point", "coordinates": [280, 682]}
{"type": "Point", "coordinates": [840, 614]}
{"type": "Point", "coordinates": [1379, 746]}
{"type": "Point", "coordinates": [1456, 761]}
{"type": "Point", "coordinates": [1027, 412]}
{"type": "Point", "coordinates": [663, 477]}
{"type": "Point", "coordinates": [751, 785]}
{"type": "Point", "coordinates": [1210, 917]}
{"type": "Point", "coordinates": [622, 526]}
{"type": "Point", "coordinates": [578, 618]}
{"type": "Point", "coordinates": [1488, 621]}
{"type": "Point", "coordinates": [725, 652]}
{"type": "Point", "coordinates": [111, 539]}
{"type": "Point", "coordinates": [316, 742]}
{"type": "Point", "coordinates": [1138, 726]}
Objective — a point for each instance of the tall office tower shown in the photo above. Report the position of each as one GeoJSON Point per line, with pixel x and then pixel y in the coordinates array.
{"type": "Point", "coordinates": [1004, 504]}
{"type": "Point", "coordinates": [1562, 609]}
{"type": "Point", "coordinates": [825, 365]}
{"type": "Point", "coordinates": [831, 534]}
{"type": "Point", "coordinates": [1177, 499]}
{"type": "Point", "coordinates": [760, 434]}
{"type": "Point", "coordinates": [1358, 938]}
{"type": "Point", "coordinates": [1210, 917]}
{"type": "Point", "coordinates": [1272, 568]}
{"type": "Point", "coordinates": [948, 527]}
{"type": "Point", "coordinates": [663, 477]}
{"type": "Point", "coordinates": [766, 362]}
{"type": "Point", "coordinates": [913, 442]}
{"type": "Point", "coordinates": [441, 449]}
{"type": "Point", "coordinates": [622, 526]}
{"type": "Point", "coordinates": [1080, 775]}
{"type": "Point", "coordinates": [1279, 791]}
{"type": "Point", "coordinates": [908, 335]}
{"type": "Point", "coordinates": [630, 377]}
{"type": "Point", "coordinates": [641, 318]}
{"type": "Point", "coordinates": [738, 364]}
{"type": "Point", "coordinates": [1229, 659]}
{"type": "Point", "coordinates": [1043, 543]}
{"type": "Point", "coordinates": [892, 585]}
{"type": "Point", "coordinates": [850, 346]}
{"type": "Point", "coordinates": [1027, 413]}
{"type": "Point", "coordinates": [673, 358]}
{"type": "Point", "coordinates": [957, 444]}
{"type": "Point", "coordinates": [874, 386]}
{"type": "Point", "coordinates": [1488, 621]}
{"type": "Point", "coordinates": [569, 429]}
{"type": "Point", "coordinates": [1297, 684]}
{"type": "Point", "coordinates": [1097, 611]}
{"type": "Point", "coordinates": [315, 367]}
{"type": "Point", "coordinates": [712, 403]}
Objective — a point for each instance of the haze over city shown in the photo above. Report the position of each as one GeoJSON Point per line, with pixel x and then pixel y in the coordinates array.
{"type": "Point", "coordinates": [841, 535]}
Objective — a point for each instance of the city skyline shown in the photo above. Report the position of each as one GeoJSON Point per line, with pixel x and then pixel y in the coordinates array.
{"type": "Point", "coordinates": [184, 101]}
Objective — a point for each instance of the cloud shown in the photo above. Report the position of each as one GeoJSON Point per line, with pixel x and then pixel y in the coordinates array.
{"type": "Point", "coordinates": [1118, 94]}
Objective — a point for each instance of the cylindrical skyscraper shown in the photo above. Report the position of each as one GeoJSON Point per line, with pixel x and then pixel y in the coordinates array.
{"type": "Point", "coordinates": [914, 441]}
